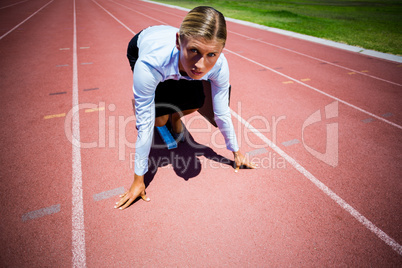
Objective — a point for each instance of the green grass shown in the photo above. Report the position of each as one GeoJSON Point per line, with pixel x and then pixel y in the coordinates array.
{"type": "Point", "coordinates": [369, 24]}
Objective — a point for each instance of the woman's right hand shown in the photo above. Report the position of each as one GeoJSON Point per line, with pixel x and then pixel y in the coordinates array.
{"type": "Point", "coordinates": [137, 189]}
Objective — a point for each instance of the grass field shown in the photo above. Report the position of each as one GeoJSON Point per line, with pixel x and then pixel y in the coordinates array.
{"type": "Point", "coordinates": [369, 24]}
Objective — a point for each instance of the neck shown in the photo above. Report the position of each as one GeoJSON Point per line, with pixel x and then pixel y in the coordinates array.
{"type": "Point", "coordinates": [181, 69]}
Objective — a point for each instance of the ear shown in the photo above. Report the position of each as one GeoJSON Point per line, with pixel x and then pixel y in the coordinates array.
{"type": "Point", "coordinates": [178, 41]}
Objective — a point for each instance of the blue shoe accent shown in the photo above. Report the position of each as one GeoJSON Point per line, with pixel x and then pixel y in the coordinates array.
{"type": "Point", "coordinates": [167, 137]}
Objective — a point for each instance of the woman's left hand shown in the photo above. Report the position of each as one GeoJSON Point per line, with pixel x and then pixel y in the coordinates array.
{"type": "Point", "coordinates": [241, 160]}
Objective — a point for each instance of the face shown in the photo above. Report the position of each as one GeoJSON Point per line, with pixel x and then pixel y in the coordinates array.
{"type": "Point", "coordinates": [197, 55]}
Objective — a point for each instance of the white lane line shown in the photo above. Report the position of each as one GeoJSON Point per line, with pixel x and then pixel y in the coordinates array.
{"type": "Point", "coordinates": [270, 44]}
{"type": "Point", "coordinates": [363, 220]}
{"type": "Point", "coordinates": [165, 5]}
{"type": "Point", "coordinates": [291, 34]}
{"type": "Point", "coordinates": [297, 81]}
{"type": "Point", "coordinates": [78, 227]}
{"type": "Point", "coordinates": [139, 12]}
{"type": "Point", "coordinates": [314, 58]}
{"type": "Point", "coordinates": [317, 90]}
{"type": "Point", "coordinates": [13, 4]}
{"type": "Point", "coordinates": [125, 26]}
{"type": "Point", "coordinates": [4, 35]}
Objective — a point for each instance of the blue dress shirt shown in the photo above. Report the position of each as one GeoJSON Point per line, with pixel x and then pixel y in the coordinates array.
{"type": "Point", "coordinates": [158, 60]}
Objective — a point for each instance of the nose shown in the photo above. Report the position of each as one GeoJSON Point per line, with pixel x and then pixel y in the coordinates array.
{"type": "Point", "coordinates": [200, 63]}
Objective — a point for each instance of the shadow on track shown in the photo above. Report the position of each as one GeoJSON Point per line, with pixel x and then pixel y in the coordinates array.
{"type": "Point", "coordinates": [184, 159]}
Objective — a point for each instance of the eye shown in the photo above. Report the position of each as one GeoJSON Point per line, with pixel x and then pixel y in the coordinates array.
{"type": "Point", "coordinates": [211, 54]}
{"type": "Point", "coordinates": [194, 50]}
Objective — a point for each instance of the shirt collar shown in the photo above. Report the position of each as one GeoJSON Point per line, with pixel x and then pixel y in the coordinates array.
{"type": "Point", "coordinates": [173, 72]}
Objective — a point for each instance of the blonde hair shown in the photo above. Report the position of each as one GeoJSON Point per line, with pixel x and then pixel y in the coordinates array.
{"type": "Point", "coordinates": [205, 22]}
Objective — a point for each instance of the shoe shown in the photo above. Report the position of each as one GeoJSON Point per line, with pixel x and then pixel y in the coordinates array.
{"type": "Point", "coordinates": [179, 137]}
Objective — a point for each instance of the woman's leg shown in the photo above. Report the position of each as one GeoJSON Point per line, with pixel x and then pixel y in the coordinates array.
{"type": "Point", "coordinates": [177, 126]}
{"type": "Point", "coordinates": [160, 121]}
{"type": "Point", "coordinates": [173, 96]}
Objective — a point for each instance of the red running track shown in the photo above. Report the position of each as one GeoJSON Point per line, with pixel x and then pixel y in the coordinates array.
{"type": "Point", "coordinates": [323, 123]}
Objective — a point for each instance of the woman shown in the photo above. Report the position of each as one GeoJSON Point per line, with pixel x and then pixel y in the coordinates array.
{"type": "Point", "coordinates": [168, 65]}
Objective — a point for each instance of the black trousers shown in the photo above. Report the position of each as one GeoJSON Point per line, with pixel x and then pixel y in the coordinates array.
{"type": "Point", "coordinates": [171, 96]}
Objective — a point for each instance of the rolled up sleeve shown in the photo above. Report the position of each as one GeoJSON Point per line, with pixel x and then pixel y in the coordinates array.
{"type": "Point", "coordinates": [220, 100]}
{"type": "Point", "coordinates": [146, 79]}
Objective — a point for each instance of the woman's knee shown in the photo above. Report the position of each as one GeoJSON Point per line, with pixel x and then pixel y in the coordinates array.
{"type": "Point", "coordinates": [160, 121]}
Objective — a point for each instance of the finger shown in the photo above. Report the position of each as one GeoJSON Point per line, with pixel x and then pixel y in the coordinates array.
{"type": "Point", "coordinates": [144, 197]}
{"type": "Point", "coordinates": [131, 200]}
{"type": "Point", "coordinates": [251, 165]}
{"type": "Point", "coordinates": [121, 202]}
{"type": "Point", "coordinates": [247, 163]}
{"type": "Point", "coordinates": [123, 194]}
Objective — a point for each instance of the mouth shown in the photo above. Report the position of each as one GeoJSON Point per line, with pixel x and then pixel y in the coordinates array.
{"type": "Point", "coordinates": [194, 72]}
